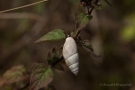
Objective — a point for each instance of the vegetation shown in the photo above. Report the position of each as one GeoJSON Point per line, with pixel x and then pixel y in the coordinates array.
{"type": "Point", "coordinates": [35, 66]}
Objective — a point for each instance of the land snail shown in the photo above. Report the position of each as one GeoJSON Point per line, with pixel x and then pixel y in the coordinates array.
{"type": "Point", "coordinates": [70, 54]}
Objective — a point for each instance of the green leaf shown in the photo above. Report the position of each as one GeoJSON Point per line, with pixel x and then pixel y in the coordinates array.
{"type": "Point", "coordinates": [82, 20]}
{"type": "Point", "coordinates": [87, 46]}
{"type": "Point", "coordinates": [15, 74]}
{"type": "Point", "coordinates": [97, 6]}
{"type": "Point", "coordinates": [56, 34]}
{"type": "Point", "coordinates": [41, 76]}
{"type": "Point", "coordinates": [53, 56]}
{"type": "Point", "coordinates": [74, 32]}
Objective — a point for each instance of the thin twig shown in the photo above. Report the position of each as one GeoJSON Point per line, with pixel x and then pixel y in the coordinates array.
{"type": "Point", "coordinates": [93, 7]}
{"type": "Point", "coordinates": [78, 33]}
{"type": "Point", "coordinates": [23, 6]}
{"type": "Point", "coordinates": [91, 10]}
{"type": "Point", "coordinates": [27, 38]}
{"type": "Point", "coordinates": [108, 2]}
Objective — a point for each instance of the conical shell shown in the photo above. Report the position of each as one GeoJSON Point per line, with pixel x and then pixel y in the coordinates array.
{"type": "Point", "coordinates": [74, 68]}
{"type": "Point", "coordinates": [69, 48]}
{"type": "Point", "coordinates": [70, 55]}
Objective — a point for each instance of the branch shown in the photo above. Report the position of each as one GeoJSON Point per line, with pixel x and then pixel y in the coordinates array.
{"type": "Point", "coordinates": [92, 8]}
{"type": "Point", "coordinates": [23, 6]}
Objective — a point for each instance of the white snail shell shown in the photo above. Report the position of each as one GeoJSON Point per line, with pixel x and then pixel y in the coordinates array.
{"type": "Point", "coordinates": [70, 55]}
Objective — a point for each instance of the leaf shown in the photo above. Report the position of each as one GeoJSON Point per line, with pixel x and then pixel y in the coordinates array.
{"type": "Point", "coordinates": [74, 32]}
{"type": "Point", "coordinates": [82, 20]}
{"type": "Point", "coordinates": [59, 68]}
{"type": "Point", "coordinates": [87, 46]}
{"type": "Point", "coordinates": [100, 7]}
{"type": "Point", "coordinates": [15, 74]}
{"type": "Point", "coordinates": [97, 6]}
{"type": "Point", "coordinates": [41, 76]}
{"type": "Point", "coordinates": [49, 58]}
{"type": "Point", "coordinates": [56, 34]}
{"type": "Point", "coordinates": [55, 52]}
{"type": "Point", "coordinates": [53, 56]}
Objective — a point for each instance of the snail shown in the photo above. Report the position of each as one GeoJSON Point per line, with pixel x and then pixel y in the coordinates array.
{"type": "Point", "coordinates": [70, 55]}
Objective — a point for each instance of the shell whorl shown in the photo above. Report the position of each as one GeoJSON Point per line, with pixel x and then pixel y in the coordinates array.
{"type": "Point", "coordinates": [70, 55]}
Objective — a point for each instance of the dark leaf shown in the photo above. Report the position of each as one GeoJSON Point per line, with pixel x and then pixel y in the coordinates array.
{"type": "Point", "coordinates": [82, 20]}
{"type": "Point", "coordinates": [49, 58]}
{"type": "Point", "coordinates": [89, 48]}
{"type": "Point", "coordinates": [15, 74]}
{"type": "Point", "coordinates": [59, 68]}
{"type": "Point", "coordinates": [53, 56]}
{"type": "Point", "coordinates": [56, 34]}
{"type": "Point", "coordinates": [55, 52]}
{"type": "Point", "coordinates": [100, 7]}
{"type": "Point", "coordinates": [41, 76]}
{"type": "Point", "coordinates": [97, 6]}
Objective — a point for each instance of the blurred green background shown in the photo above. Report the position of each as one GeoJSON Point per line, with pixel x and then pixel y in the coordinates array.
{"type": "Point", "coordinates": [111, 32]}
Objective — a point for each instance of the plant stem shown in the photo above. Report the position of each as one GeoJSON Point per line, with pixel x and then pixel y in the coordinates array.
{"type": "Point", "coordinates": [92, 8]}
{"type": "Point", "coordinates": [57, 61]}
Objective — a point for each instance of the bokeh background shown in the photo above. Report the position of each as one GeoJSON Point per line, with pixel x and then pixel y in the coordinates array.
{"type": "Point", "coordinates": [111, 32]}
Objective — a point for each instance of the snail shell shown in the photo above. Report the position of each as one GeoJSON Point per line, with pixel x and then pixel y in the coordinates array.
{"type": "Point", "coordinates": [70, 55]}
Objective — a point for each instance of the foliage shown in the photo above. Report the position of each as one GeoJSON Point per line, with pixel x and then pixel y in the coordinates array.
{"type": "Point", "coordinates": [38, 79]}
{"type": "Point", "coordinates": [13, 75]}
{"type": "Point", "coordinates": [87, 46]}
{"type": "Point", "coordinates": [42, 75]}
{"type": "Point", "coordinates": [111, 33]}
{"type": "Point", "coordinates": [52, 56]}
{"type": "Point", "coordinates": [82, 19]}
{"type": "Point", "coordinates": [53, 35]}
